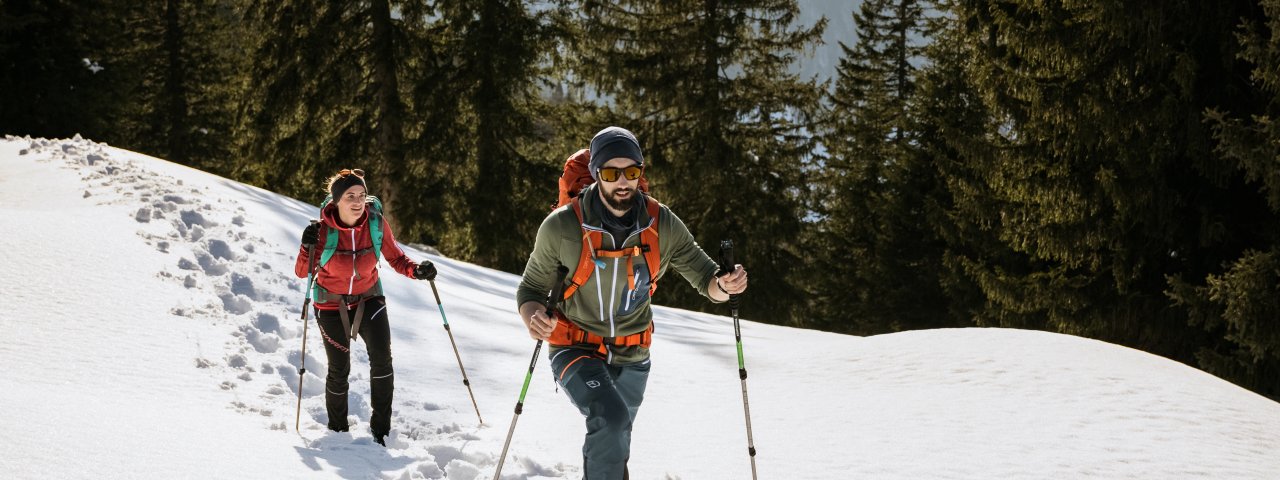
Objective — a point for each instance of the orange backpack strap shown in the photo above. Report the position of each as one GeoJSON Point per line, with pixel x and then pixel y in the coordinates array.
{"type": "Point", "coordinates": [586, 258]}
{"type": "Point", "coordinates": [568, 334]}
{"type": "Point", "coordinates": [649, 243]}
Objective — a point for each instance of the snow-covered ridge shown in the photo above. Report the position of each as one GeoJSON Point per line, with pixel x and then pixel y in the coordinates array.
{"type": "Point", "coordinates": [154, 331]}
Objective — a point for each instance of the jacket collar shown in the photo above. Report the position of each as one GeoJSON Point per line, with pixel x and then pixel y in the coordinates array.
{"type": "Point", "coordinates": [330, 216]}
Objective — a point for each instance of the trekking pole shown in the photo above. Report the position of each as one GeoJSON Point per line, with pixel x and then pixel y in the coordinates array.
{"type": "Point", "coordinates": [306, 304]}
{"type": "Point", "coordinates": [557, 291]}
{"type": "Point", "coordinates": [465, 381]}
{"type": "Point", "coordinates": [726, 254]}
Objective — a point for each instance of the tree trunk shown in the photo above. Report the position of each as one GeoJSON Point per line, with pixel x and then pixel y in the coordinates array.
{"type": "Point", "coordinates": [390, 110]}
{"type": "Point", "coordinates": [175, 122]}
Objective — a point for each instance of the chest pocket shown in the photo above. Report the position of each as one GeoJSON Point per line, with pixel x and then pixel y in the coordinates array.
{"type": "Point", "coordinates": [636, 296]}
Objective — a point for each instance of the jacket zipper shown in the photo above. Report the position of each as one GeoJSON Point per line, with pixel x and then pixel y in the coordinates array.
{"type": "Point", "coordinates": [627, 304]}
{"type": "Point", "coordinates": [351, 284]}
{"type": "Point", "coordinates": [613, 296]}
{"type": "Point", "coordinates": [599, 289]}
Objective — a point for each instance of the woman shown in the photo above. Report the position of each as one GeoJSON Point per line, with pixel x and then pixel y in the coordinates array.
{"type": "Point", "coordinates": [347, 243]}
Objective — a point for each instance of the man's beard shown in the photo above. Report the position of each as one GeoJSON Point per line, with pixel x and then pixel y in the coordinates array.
{"type": "Point", "coordinates": [621, 205]}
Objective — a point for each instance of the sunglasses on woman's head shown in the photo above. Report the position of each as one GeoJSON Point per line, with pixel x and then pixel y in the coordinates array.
{"type": "Point", "coordinates": [611, 174]}
{"type": "Point", "coordinates": [346, 171]}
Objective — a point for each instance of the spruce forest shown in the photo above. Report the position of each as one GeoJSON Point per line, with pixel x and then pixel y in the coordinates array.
{"type": "Point", "coordinates": [1107, 169]}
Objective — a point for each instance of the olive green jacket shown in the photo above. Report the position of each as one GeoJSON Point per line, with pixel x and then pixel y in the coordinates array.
{"type": "Point", "coordinates": [605, 304]}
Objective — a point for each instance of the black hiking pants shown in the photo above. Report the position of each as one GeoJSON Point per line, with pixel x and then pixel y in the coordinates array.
{"type": "Point", "coordinates": [609, 396]}
{"type": "Point", "coordinates": [376, 333]}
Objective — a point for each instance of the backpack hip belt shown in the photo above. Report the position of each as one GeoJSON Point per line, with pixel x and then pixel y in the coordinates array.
{"type": "Point", "coordinates": [324, 296]}
{"type": "Point", "coordinates": [344, 303]}
{"type": "Point", "coordinates": [362, 251]}
{"type": "Point", "coordinates": [569, 334]}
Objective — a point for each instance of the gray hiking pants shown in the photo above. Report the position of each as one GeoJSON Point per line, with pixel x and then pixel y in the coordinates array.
{"type": "Point", "coordinates": [609, 397]}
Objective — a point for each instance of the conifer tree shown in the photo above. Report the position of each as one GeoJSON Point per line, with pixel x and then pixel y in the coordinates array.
{"type": "Point", "coordinates": [57, 78]}
{"type": "Point", "coordinates": [325, 93]}
{"type": "Point", "coordinates": [184, 62]}
{"type": "Point", "coordinates": [1238, 301]}
{"type": "Point", "coordinates": [1081, 169]}
{"type": "Point", "coordinates": [950, 115]}
{"type": "Point", "coordinates": [707, 88]}
{"type": "Point", "coordinates": [879, 255]}
{"type": "Point", "coordinates": [440, 98]}
{"type": "Point", "coordinates": [499, 128]}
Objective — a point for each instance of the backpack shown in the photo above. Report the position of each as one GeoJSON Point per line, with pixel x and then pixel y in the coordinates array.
{"type": "Point", "coordinates": [576, 176]}
{"type": "Point", "coordinates": [331, 240]}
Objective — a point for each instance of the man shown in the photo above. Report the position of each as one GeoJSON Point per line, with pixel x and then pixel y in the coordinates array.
{"type": "Point", "coordinates": [599, 344]}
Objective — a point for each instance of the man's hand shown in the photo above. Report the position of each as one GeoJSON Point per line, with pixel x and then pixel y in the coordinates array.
{"type": "Point", "coordinates": [732, 283]}
{"type": "Point", "coordinates": [535, 319]}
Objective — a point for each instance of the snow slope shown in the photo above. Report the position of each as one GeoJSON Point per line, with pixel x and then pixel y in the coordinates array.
{"type": "Point", "coordinates": [153, 331]}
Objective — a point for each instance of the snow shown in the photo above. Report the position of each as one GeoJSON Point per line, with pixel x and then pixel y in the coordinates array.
{"type": "Point", "coordinates": [154, 330]}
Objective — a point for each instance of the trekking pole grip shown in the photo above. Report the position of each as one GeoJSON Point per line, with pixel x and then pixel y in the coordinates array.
{"type": "Point", "coordinates": [557, 289]}
{"type": "Point", "coordinates": [313, 221]}
{"type": "Point", "coordinates": [727, 267]}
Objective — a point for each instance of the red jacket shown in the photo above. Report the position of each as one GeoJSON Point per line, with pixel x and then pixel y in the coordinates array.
{"type": "Point", "coordinates": [352, 274]}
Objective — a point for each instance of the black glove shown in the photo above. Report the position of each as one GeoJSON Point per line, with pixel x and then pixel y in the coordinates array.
{"type": "Point", "coordinates": [311, 234]}
{"type": "Point", "coordinates": [425, 271]}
